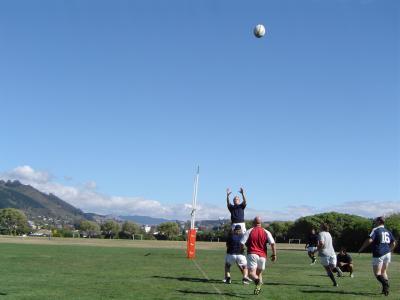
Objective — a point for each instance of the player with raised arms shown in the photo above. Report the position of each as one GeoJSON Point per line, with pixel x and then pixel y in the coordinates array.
{"type": "Point", "coordinates": [237, 209]}
{"type": "Point", "coordinates": [383, 243]}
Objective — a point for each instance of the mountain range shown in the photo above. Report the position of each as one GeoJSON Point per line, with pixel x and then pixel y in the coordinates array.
{"type": "Point", "coordinates": [36, 204]}
{"type": "Point", "coordinates": [14, 194]}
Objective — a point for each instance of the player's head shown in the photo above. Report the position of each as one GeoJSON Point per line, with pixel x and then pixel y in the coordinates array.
{"type": "Point", "coordinates": [343, 250]}
{"type": "Point", "coordinates": [237, 230]}
{"type": "Point", "coordinates": [257, 221]}
{"type": "Point", "coordinates": [379, 221]}
{"type": "Point", "coordinates": [313, 231]}
{"type": "Point", "coordinates": [236, 200]}
{"type": "Point", "coordinates": [324, 227]}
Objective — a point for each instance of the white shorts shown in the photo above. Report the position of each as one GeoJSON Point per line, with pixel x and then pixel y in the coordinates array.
{"type": "Point", "coordinates": [242, 225]}
{"type": "Point", "coordinates": [255, 262]}
{"type": "Point", "coordinates": [312, 249]}
{"type": "Point", "coordinates": [384, 259]}
{"type": "Point", "coordinates": [328, 260]}
{"type": "Point", "coordinates": [240, 259]}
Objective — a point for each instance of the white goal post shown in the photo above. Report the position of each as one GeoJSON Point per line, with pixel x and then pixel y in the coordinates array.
{"type": "Point", "coordinates": [294, 241]}
{"type": "Point", "coordinates": [137, 236]}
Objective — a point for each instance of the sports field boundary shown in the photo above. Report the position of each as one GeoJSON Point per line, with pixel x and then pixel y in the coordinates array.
{"type": "Point", "coordinates": [126, 243]}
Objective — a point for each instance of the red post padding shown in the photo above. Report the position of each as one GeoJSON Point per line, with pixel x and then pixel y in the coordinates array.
{"type": "Point", "coordinates": [191, 244]}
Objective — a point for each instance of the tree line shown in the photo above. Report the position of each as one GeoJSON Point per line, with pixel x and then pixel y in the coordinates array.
{"type": "Point", "coordinates": [15, 222]}
{"type": "Point", "coordinates": [347, 230]}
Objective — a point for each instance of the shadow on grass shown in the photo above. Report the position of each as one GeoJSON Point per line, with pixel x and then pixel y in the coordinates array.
{"type": "Point", "coordinates": [3, 294]}
{"type": "Point", "coordinates": [291, 284]}
{"type": "Point", "coordinates": [339, 293]}
{"type": "Point", "coordinates": [319, 275]}
{"type": "Point", "coordinates": [187, 292]}
{"type": "Point", "coordinates": [190, 279]}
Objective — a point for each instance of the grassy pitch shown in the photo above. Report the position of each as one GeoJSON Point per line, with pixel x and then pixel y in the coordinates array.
{"type": "Point", "coordinates": [95, 272]}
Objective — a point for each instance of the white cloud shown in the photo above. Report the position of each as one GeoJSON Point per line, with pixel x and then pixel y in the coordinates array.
{"type": "Point", "coordinates": [89, 199]}
{"type": "Point", "coordinates": [26, 173]}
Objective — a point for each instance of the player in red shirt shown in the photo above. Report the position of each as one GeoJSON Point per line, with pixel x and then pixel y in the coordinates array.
{"type": "Point", "coordinates": [256, 240]}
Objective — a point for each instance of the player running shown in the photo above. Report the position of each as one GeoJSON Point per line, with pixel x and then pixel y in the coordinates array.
{"type": "Point", "coordinates": [345, 262]}
{"type": "Point", "coordinates": [235, 254]}
{"type": "Point", "coordinates": [256, 240]}
{"type": "Point", "coordinates": [383, 243]}
{"type": "Point", "coordinates": [311, 246]}
{"type": "Point", "coordinates": [327, 254]}
{"type": "Point", "coordinates": [237, 209]}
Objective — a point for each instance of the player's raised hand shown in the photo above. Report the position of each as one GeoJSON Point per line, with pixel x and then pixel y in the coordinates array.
{"type": "Point", "coordinates": [228, 191]}
{"type": "Point", "coordinates": [241, 191]}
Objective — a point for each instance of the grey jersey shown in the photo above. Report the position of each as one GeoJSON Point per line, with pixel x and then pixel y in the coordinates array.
{"type": "Point", "coordinates": [327, 248]}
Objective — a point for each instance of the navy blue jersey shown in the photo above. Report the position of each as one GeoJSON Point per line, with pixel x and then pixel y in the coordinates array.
{"type": "Point", "coordinates": [381, 240]}
{"type": "Point", "coordinates": [312, 240]}
{"type": "Point", "coordinates": [233, 244]}
{"type": "Point", "coordinates": [237, 212]}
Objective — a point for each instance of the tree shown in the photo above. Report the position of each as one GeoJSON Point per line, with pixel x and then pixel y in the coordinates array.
{"type": "Point", "coordinates": [393, 224]}
{"type": "Point", "coordinates": [91, 228]}
{"type": "Point", "coordinates": [346, 230]}
{"type": "Point", "coordinates": [13, 221]}
{"type": "Point", "coordinates": [110, 228]}
{"type": "Point", "coordinates": [128, 229]}
{"type": "Point", "coordinates": [169, 230]}
{"type": "Point", "coordinates": [280, 230]}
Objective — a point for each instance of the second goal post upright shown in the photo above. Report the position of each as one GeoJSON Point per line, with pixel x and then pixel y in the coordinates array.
{"type": "Point", "coordinates": [191, 237]}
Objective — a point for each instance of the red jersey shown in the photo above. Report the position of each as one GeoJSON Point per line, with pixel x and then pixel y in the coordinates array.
{"type": "Point", "coordinates": [256, 240]}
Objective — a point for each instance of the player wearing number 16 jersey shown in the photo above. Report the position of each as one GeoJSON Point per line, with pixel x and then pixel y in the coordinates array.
{"type": "Point", "coordinates": [383, 243]}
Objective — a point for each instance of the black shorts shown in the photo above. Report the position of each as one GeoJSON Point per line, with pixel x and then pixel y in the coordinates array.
{"type": "Point", "coordinates": [345, 268]}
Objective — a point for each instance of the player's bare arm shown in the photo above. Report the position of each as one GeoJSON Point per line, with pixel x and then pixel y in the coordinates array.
{"type": "Point", "coordinates": [392, 246]}
{"type": "Point", "coordinates": [367, 242]}
{"type": "Point", "coordinates": [274, 257]}
{"type": "Point", "coordinates": [320, 245]}
{"type": "Point", "coordinates": [241, 191]}
{"type": "Point", "coordinates": [228, 193]}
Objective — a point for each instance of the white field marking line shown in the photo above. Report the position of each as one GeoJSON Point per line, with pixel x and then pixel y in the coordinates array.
{"type": "Point", "coordinates": [206, 277]}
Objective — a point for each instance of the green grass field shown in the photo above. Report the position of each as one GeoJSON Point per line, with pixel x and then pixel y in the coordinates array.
{"type": "Point", "coordinates": [92, 272]}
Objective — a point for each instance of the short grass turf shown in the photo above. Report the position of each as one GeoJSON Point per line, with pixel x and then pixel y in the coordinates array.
{"type": "Point", "coordinates": [82, 272]}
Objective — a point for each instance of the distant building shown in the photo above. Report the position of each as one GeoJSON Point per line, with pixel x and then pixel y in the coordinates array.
{"type": "Point", "coordinates": [32, 224]}
{"type": "Point", "coordinates": [147, 228]}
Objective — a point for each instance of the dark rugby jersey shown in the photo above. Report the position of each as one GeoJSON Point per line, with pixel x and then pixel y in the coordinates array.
{"type": "Point", "coordinates": [237, 212]}
{"type": "Point", "coordinates": [381, 240]}
{"type": "Point", "coordinates": [313, 240]}
{"type": "Point", "coordinates": [344, 258]}
{"type": "Point", "coordinates": [233, 244]}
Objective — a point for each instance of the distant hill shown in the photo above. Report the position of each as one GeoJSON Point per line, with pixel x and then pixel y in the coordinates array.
{"type": "Point", "coordinates": [144, 220]}
{"type": "Point", "coordinates": [14, 194]}
{"type": "Point", "coordinates": [34, 203]}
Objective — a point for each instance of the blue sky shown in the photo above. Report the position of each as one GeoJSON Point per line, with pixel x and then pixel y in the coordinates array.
{"type": "Point", "coordinates": [123, 99]}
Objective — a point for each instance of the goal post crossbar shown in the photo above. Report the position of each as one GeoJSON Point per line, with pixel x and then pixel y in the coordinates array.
{"type": "Point", "coordinates": [294, 241]}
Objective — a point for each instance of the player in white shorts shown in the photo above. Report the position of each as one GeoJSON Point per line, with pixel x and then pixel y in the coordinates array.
{"type": "Point", "coordinates": [311, 246]}
{"type": "Point", "coordinates": [383, 243]}
{"type": "Point", "coordinates": [327, 254]}
{"type": "Point", "coordinates": [235, 255]}
{"type": "Point", "coordinates": [256, 240]}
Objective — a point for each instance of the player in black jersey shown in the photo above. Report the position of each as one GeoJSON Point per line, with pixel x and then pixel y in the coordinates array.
{"type": "Point", "coordinates": [311, 246]}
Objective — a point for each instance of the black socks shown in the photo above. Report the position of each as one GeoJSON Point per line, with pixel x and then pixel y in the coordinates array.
{"type": "Point", "coordinates": [332, 277]}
